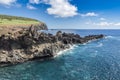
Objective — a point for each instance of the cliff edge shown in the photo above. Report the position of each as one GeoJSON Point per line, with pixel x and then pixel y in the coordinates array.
{"type": "Point", "coordinates": [9, 24]}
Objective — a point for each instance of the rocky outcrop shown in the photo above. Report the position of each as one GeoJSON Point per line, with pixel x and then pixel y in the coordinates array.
{"type": "Point", "coordinates": [15, 28]}
{"type": "Point", "coordinates": [28, 44]}
{"type": "Point", "coordinates": [40, 26]}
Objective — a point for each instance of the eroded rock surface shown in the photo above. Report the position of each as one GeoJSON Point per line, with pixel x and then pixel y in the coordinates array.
{"type": "Point", "coordinates": [28, 44]}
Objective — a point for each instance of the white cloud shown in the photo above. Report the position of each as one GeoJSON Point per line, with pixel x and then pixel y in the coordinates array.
{"type": "Point", "coordinates": [7, 2]}
{"type": "Point", "coordinates": [107, 24]}
{"type": "Point", "coordinates": [31, 7]}
{"type": "Point", "coordinates": [61, 8]}
{"type": "Point", "coordinates": [87, 22]}
{"type": "Point", "coordinates": [102, 19]}
{"type": "Point", "coordinates": [117, 24]}
{"type": "Point", "coordinates": [104, 24]}
{"type": "Point", "coordinates": [34, 1]}
{"type": "Point", "coordinates": [89, 14]}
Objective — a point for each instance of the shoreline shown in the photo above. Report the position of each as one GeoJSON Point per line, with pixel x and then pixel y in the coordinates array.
{"type": "Point", "coordinates": [30, 44]}
{"type": "Point", "coordinates": [61, 52]}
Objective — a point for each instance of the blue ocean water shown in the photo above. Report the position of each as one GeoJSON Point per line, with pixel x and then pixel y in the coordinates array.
{"type": "Point", "coordinates": [97, 60]}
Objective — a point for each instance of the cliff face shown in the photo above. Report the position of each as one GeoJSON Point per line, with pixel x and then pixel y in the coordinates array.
{"type": "Point", "coordinates": [28, 44]}
{"type": "Point", "coordinates": [15, 28]}
{"type": "Point", "coordinates": [40, 26]}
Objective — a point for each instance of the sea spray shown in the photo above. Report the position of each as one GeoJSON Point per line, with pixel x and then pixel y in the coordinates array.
{"type": "Point", "coordinates": [100, 45]}
{"type": "Point", "coordinates": [63, 51]}
{"type": "Point", "coordinates": [107, 37]}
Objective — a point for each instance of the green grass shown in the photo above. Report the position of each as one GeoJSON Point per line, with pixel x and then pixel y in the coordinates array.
{"type": "Point", "coordinates": [8, 23]}
{"type": "Point", "coordinates": [7, 20]}
{"type": "Point", "coordinates": [17, 22]}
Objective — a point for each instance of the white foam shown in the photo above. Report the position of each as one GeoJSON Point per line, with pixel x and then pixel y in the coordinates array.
{"type": "Point", "coordinates": [84, 44]}
{"type": "Point", "coordinates": [63, 51]}
{"type": "Point", "coordinates": [100, 45]}
{"type": "Point", "coordinates": [109, 37]}
{"type": "Point", "coordinates": [113, 37]}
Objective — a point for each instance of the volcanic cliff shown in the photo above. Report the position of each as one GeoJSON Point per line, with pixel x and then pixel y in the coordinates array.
{"type": "Point", "coordinates": [28, 44]}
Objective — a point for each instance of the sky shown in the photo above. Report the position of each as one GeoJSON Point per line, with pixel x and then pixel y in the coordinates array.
{"type": "Point", "coordinates": [67, 14]}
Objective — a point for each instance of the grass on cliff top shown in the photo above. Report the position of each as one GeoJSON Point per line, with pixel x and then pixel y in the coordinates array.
{"type": "Point", "coordinates": [10, 23]}
{"type": "Point", "coordinates": [6, 20]}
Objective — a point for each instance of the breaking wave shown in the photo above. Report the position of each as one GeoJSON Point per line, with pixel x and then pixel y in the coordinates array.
{"type": "Point", "coordinates": [109, 37]}
{"type": "Point", "coordinates": [63, 51]}
{"type": "Point", "coordinates": [100, 45]}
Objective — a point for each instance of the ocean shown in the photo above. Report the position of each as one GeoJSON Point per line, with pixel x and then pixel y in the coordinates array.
{"type": "Point", "coordinates": [96, 60]}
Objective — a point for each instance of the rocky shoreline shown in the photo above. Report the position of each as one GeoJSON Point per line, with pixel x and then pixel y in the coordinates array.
{"type": "Point", "coordinates": [29, 44]}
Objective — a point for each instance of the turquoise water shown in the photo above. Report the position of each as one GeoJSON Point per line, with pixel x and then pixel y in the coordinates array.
{"type": "Point", "coordinates": [97, 60]}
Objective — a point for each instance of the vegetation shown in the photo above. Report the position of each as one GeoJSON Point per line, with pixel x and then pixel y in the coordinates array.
{"type": "Point", "coordinates": [16, 18]}
{"type": "Point", "coordinates": [6, 20]}
{"type": "Point", "coordinates": [13, 23]}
